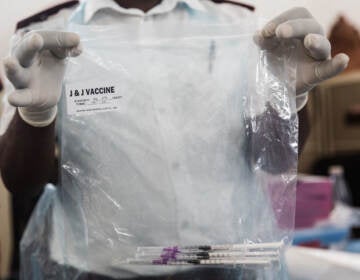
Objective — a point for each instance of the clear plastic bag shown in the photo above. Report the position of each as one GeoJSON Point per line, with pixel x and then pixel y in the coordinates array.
{"type": "Point", "coordinates": [170, 136]}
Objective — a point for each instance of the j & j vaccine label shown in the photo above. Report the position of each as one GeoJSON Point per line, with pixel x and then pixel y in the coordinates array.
{"type": "Point", "coordinates": [93, 97]}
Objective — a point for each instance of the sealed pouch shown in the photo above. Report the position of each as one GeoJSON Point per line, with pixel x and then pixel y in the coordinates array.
{"type": "Point", "coordinates": [170, 144]}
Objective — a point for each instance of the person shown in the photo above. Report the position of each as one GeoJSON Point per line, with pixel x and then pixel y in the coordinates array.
{"type": "Point", "coordinates": [38, 60]}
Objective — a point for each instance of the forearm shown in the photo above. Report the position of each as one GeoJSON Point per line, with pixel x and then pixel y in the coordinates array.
{"type": "Point", "coordinates": [27, 156]}
{"type": "Point", "coordinates": [270, 142]}
{"type": "Point", "coordinates": [304, 128]}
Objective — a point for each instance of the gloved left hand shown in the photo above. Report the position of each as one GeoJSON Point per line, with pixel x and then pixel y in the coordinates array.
{"type": "Point", "coordinates": [313, 53]}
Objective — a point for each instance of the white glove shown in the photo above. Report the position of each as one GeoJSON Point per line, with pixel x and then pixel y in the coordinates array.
{"type": "Point", "coordinates": [314, 62]}
{"type": "Point", "coordinates": [36, 69]}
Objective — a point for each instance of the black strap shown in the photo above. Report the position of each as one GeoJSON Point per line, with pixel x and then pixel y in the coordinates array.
{"type": "Point", "coordinates": [246, 6]}
{"type": "Point", "coordinates": [43, 15]}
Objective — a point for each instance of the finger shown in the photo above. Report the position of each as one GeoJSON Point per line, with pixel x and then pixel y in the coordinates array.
{"type": "Point", "coordinates": [329, 68]}
{"type": "Point", "coordinates": [27, 49]}
{"type": "Point", "coordinates": [76, 51]}
{"type": "Point", "coordinates": [68, 52]}
{"type": "Point", "coordinates": [20, 98]}
{"type": "Point", "coordinates": [59, 43]}
{"type": "Point", "coordinates": [318, 46]}
{"type": "Point", "coordinates": [295, 13]}
{"type": "Point", "coordinates": [265, 43]}
{"type": "Point", "coordinates": [298, 28]}
{"type": "Point", "coordinates": [15, 73]}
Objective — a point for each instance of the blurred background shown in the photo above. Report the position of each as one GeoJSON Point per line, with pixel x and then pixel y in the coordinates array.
{"type": "Point", "coordinates": [328, 194]}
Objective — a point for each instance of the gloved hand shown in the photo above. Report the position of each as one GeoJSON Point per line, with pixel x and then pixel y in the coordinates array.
{"type": "Point", "coordinates": [36, 68]}
{"type": "Point", "coordinates": [314, 62]}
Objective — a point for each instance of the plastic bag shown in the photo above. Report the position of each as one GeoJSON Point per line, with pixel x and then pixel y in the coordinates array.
{"type": "Point", "coordinates": [170, 136]}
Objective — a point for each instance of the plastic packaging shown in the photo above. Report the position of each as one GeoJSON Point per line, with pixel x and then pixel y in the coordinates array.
{"type": "Point", "coordinates": [170, 136]}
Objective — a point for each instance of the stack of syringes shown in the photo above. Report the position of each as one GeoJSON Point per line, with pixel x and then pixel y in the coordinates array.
{"type": "Point", "coordinates": [234, 254]}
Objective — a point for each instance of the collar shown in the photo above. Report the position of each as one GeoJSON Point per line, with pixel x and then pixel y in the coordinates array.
{"type": "Point", "coordinates": [93, 6]}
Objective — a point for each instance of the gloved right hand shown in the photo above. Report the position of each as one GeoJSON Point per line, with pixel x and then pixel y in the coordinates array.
{"type": "Point", "coordinates": [312, 54]}
{"type": "Point", "coordinates": [36, 68]}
